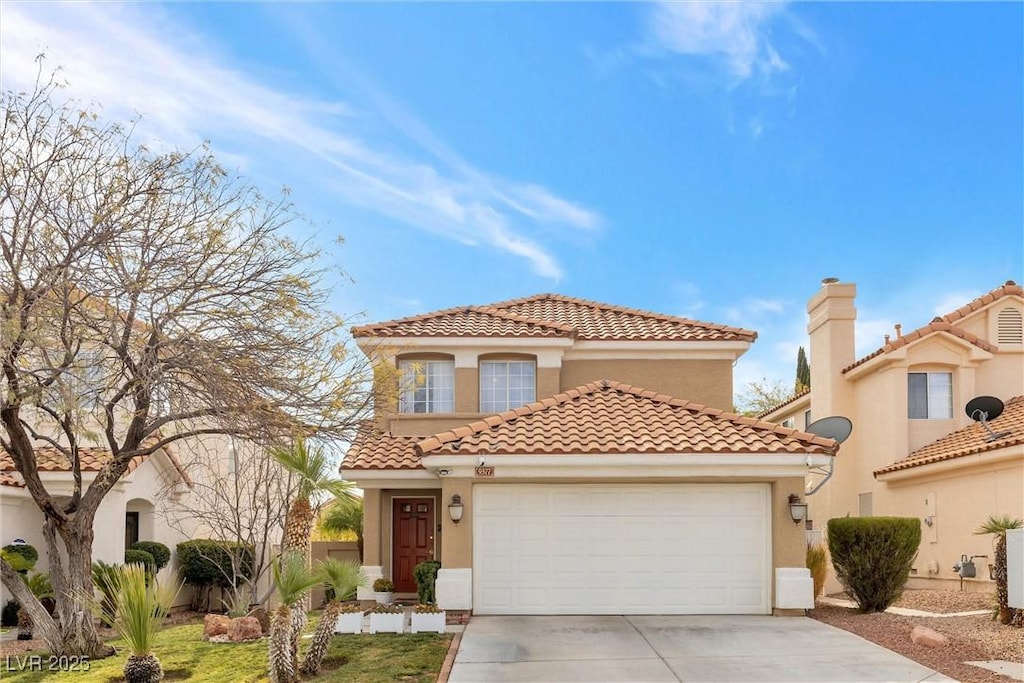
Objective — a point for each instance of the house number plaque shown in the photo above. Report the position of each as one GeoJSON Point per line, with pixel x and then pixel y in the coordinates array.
{"type": "Point", "coordinates": [485, 471]}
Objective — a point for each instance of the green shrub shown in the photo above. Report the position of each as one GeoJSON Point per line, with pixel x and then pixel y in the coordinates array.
{"type": "Point", "coordinates": [383, 585]}
{"type": "Point", "coordinates": [133, 556]}
{"type": "Point", "coordinates": [425, 574]}
{"type": "Point", "coordinates": [9, 615]}
{"type": "Point", "coordinates": [26, 551]}
{"type": "Point", "coordinates": [872, 557]}
{"type": "Point", "coordinates": [161, 553]}
{"type": "Point", "coordinates": [817, 562]}
{"type": "Point", "coordinates": [104, 579]}
{"type": "Point", "coordinates": [205, 562]}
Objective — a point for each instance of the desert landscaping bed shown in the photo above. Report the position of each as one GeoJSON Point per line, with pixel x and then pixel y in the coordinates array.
{"type": "Point", "coordinates": [971, 638]}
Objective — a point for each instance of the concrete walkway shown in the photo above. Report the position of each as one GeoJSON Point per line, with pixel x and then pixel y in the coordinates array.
{"type": "Point", "coordinates": [673, 648]}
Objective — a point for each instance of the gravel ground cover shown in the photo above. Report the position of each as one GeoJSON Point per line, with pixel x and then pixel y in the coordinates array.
{"type": "Point", "coordinates": [971, 638]}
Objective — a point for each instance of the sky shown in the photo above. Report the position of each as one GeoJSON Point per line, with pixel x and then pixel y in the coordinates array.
{"type": "Point", "coordinates": [709, 160]}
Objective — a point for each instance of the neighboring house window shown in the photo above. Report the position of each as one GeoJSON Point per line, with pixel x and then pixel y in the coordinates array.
{"type": "Point", "coordinates": [506, 384]}
{"type": "Point", "coordinates": [929, 395]}
{"type": "Point", "coordinates": [131, 529]}
{"type": "Point", "coordinates": [866, 504]}
{"type": "Point", "coordinates": [789, 422]}
{"type": "Point", "coordinates": [428, 386]}
{"type": "Point", "coordinates": [1009, 327]}
{"type": "Point", "coordinates": [807, 419]}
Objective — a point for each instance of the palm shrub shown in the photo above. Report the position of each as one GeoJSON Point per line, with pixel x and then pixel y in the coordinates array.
{"type": "Point", "coordinates": [292, 579]}
{"type": "Point", "coordinates": [139, 605]}
{"type": "Point", "coordinates": [998, 525]}
{"type": "Point", "coordinates": [817, 562]}
{"type": "Point", "coordinates": [343, 578]}
{"type": "Point", "coordinates": [345, 515]}
{"type": "Point", "coordinates": [41, 587]}
{"type": "Point", "coordinates": [872, 557]}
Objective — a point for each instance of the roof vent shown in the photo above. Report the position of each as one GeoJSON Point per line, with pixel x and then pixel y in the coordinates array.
{"type": "Point", "coordinates": [829, 280]}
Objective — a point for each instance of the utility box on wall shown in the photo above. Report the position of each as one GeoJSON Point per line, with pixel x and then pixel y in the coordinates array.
{"type": "Point", "coordinates": [1015, 568]}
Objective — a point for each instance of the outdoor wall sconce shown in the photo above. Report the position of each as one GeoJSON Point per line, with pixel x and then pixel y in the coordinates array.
{"type": "Point", "coordinates": [455, 508]}
{"type": "Point", "coordinates": [797, 508]}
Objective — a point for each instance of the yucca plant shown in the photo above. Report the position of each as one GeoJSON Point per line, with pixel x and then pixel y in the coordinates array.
{"type": "Point", "coordinates": [139, 604]}
{"type": "Point", "coordinates": [292, 579]}
{"type": "Point", "coordinates": [343, 578]}
{"type": "Point", "coordinates": [103, 578]}
{"type": "Point", "coordinates": [998, 525]}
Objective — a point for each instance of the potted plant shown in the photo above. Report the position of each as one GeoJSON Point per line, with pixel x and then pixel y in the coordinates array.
{"type": "Point", "coordinates": [387, 619]}
{"type": "Point", "coordinates": [427, 619]}
{"type": "Point", "coordinates": [350, 619]}
{"type": "Point", "coordinates": [383, 591]}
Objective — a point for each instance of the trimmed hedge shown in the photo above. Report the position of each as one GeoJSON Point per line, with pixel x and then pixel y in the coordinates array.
{"type": "Point", "coordinates": [161, 553]}
{"type": "Point", "coordinates": [872, 557]}
{"type": "Point", "coordinates": [133, 556]}
{"type": "Point", "coordinates": [25, 550]}
{"type": "Point", "coordinates": [425, 574]}
{"type": "Point", "coordinates": [206, 562]}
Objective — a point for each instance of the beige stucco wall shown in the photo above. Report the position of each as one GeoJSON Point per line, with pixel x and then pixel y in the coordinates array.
{"type": "Point", "coordinates": [703, 381]}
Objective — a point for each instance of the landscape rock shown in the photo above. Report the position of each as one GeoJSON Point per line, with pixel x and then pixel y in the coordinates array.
{"type": "Point", "coordinates": [215, 625]}
{"type": "Point", "coordinates": [926, 636]}
{"type": "Point", "coordinates": [261, 615]}
{"type": "Point", "coordinates": [244, 628]}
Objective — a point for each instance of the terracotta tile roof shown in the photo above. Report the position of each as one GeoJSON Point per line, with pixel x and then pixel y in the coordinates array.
{"type": "Point", "coordinates": [50, 459]}
{"type": "Point", "coordinates": [945, 324]}
{"type": "Point", "coordinates": [373, 449]}
{"type": "Point", "coordinates": [792, 399]}
{"type": "Point", "coordinates": [969, 440]}
{"type": "Point", "coordinates": [555, 315]}
{"type": "Point", "coordinates": [11, 479]}
{"type": "Point", "coordinates": [612, 418]}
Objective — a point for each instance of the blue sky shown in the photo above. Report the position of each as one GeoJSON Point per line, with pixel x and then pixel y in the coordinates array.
{"type": "Point", "coordinates": [701, 159]}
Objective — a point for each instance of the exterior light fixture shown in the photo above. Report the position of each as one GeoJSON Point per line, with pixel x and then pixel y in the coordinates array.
{"type": "Point", "coordinates": [455, 508]}
{"type": "Point", "coordinates": [797, 508]}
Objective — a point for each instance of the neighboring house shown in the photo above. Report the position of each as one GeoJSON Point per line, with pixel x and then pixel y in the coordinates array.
{"type": "Point", "coordinates": [914, 451]}
{"type": "Point", "coordinates": [131, 512]}
{"type": "Point", "coordinates": [514, 443]}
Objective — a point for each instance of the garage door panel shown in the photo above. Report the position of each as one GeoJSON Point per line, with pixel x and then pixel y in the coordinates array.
{"type": "Point", "coordinates": [614, 549]}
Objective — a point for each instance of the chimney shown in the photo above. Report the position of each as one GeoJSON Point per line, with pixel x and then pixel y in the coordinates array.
{"type": "Point", "coordinates": [830, 322]}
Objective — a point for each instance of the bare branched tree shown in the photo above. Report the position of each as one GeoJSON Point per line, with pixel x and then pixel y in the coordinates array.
{"type": "Point", "coordinates": [145, 298]}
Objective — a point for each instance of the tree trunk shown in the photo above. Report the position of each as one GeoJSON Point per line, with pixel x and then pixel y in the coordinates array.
{"type": "Point", "coordinates": [42, 622]}
{"type": "Point", "coordinates": [321, 639]}
{"type": "Point", "coordinates": [282, 667]}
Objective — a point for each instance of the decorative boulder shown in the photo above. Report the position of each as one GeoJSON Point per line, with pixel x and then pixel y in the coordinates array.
{"type": "Point", "coordinates": [244, 628]}
{"type": "Point", "coordinates": [926, 636]}
{"type": "Point", "coordinates": [215, 625]}
{"type": "Point", "coordinates": [261, 616]}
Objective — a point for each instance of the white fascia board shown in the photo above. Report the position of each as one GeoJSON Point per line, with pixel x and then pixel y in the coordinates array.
{"type": "Point", "coordinates": [796, 406]}
{"type": "Point", "coordinates": [604, 350]}
{"type": "Point", "coordinates": [417, 343]}
{"type": "Point", "coordinates": [391, 479]}
{"type": "Point", "coordinates": [1015, 452]}
{"type": "Point", "coordinates": [631, 465]}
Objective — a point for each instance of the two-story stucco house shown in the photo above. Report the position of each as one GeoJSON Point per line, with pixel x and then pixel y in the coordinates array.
{"type": "Point", "coordinates": [562, 456]}
{"type": "Point", "coordinates": [914, 451]}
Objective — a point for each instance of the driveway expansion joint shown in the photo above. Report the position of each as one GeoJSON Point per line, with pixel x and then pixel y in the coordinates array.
{"type": "Point", "coordinates": [653, 649]}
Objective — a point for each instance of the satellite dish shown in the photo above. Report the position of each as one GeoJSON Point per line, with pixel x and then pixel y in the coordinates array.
{"type": "Point", "coordinates": [984, 408]}
{"type": "Point", "coordinates": [836, 427]}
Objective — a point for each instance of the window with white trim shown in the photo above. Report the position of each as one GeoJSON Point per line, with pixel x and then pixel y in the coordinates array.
{"type": "Point", "coordinates": [929, 395]}
{"type": "Point", "coordinates": [807, 419]}
{"type": "Point", "coordinates": [426, 386]}
{"type": "Point", "coordinates": [507, 384]}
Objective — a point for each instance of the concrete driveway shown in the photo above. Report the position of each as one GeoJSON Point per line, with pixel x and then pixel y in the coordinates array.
{"type": "Point", "coordinates": [673, 648]}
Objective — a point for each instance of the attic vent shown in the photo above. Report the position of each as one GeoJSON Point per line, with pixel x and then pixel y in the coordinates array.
{"type": "Point", "coordinates": [865, 504]}
{"type": "Point", "coordinates": [1009, 326]}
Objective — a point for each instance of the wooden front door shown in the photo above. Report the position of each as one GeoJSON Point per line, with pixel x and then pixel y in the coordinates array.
{"type": "Point", "coordinates": [412, 539]}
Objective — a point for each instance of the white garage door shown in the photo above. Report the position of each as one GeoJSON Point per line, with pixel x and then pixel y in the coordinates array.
{"type": "Point", "coordinates": [621, 549]}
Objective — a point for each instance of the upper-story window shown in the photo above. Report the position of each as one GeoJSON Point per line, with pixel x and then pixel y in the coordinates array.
{"type": "Point", "coordinates": [807, 419]}
{"type": "Point", "coordinates": [930, 395]}
{"type": "Point", "coordinates": [427, 386]}
{"type": "Point", "coordinates": [507, 384]}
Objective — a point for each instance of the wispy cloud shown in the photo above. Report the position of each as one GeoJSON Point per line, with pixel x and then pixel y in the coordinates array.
{"type": "Point", "coordinates": [734, 32]}
{"type": "Point", "coordinates": [119, 55]}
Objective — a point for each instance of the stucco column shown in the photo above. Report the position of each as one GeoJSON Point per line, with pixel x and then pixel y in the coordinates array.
{"type": "Point", "coordinates": [371, 520]}
{"type": "Point", "coordinates": [454, 585]}
{"type": "Point", "coordinates": [789, 544]}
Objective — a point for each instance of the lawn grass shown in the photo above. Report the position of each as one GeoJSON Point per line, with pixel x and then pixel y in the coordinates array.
{"type": "Point", "coordinates": [380, 658]}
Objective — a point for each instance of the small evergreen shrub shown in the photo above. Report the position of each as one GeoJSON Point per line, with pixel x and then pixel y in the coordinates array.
{"type": "Point", "coordinates": [872, 557]}
{"type": "Point", "coordinates": [383, 586]}
{"type": "Point", "coordinates": [425, 574]}
{"type": "Point", "coordinates": [30, 554]}
{"type": "Point", "coordinates": [817, 562]}
{"type": "Point", "coordinates": [133, 556]}
{"type": "Point", "coordinates": [206, 562]}
{"type": "Point", "coordinates": [9, 616]}
{"type": "Point", "coordinates": [161, 553]}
